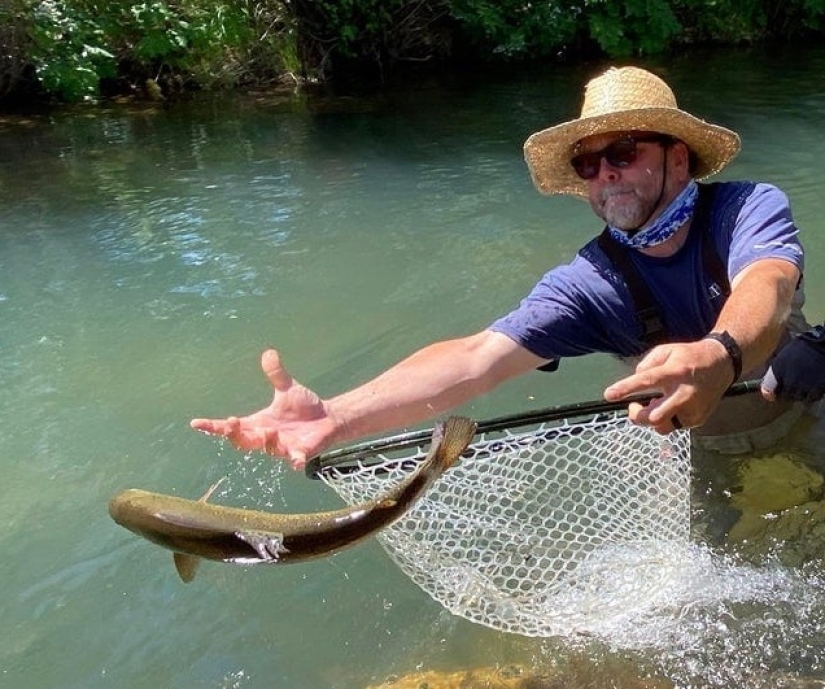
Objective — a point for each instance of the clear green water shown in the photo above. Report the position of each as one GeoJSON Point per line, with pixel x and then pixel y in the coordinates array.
{"type": "Point", "coordinates": [149, 253]}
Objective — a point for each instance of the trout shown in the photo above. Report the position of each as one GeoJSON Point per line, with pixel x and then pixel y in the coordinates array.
{"type": "Point", "coordinates": [195, 529]}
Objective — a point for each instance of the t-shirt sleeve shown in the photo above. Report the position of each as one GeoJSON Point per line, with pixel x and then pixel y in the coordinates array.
{"type": "Point", "coordinates": [565, 313]}
{"type": "Point", "coordinates": [764, 229]}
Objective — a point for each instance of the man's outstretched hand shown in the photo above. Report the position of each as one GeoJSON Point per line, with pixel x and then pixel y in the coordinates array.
{"type": "Point", "coordinates": [295, 425]}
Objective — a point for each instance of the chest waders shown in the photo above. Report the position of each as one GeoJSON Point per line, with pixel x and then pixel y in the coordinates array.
{"type": "Point", "coordinates": [648, 310]}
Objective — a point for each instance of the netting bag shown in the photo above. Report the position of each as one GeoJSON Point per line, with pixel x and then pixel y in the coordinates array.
{"type": "Point", "coordinates": [543, 528]}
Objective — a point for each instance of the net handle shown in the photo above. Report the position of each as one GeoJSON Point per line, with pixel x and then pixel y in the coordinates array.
{"type": "Point", "coordinates": [317, 464]}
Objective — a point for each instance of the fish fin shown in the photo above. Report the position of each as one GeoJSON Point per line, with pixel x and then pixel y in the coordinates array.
{"type": "Point", "coordinates": [186, 565]}
{"type": "Point", "coordinates": [210, 490]}
{"type": "Point", "coordinates": [268, 545]}
{"type": "Point", "coordinates": [457, 434]}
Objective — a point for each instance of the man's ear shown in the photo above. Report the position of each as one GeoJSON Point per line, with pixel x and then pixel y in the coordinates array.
{"type": "Point", "coordinates": [683, 160]}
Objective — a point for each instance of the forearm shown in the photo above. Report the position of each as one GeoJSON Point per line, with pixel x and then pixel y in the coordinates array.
{"type": "Point", "coordinates": [758, 308]}
{"type": "Point", "coordinates": [693, 376]}
{"type": "Point", "coordinates": [428, 383]}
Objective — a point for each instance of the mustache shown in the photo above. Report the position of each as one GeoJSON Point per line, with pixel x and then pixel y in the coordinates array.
{"type": "Point", "coordinates": [609, 192]}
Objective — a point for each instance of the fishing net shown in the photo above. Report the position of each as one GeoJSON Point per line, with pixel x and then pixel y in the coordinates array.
{"type": "Point", "coordinates": [544, 527]}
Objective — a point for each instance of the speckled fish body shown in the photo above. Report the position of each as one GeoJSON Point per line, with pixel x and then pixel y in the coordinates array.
{"type": "Point", "coordinates": [198, 529]}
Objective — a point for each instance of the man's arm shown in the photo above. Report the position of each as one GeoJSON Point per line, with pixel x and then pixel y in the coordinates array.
{"type": "Point", "coordinates": [693, 376]}
{"type": "Point", "coordinates": [435, 379]}
{"type": "Point", "coordinates": [298, 424]}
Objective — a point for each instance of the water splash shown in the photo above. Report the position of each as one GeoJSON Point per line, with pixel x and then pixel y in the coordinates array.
{"type": "Point", "coordinates": [727, 624]}
{"type": "Point", "coordinates": [252, 480]}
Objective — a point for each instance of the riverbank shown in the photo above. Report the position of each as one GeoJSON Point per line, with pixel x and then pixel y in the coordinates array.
{"type": "Point", "coordinates": [75, 50]}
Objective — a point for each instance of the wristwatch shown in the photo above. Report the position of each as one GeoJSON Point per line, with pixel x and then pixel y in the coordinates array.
{"type": "Point", "coordinates": [732, 348]}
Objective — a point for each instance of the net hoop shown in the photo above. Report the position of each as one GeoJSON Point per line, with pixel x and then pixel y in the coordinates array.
{"type": "Point", "coordinates": [354, 456]}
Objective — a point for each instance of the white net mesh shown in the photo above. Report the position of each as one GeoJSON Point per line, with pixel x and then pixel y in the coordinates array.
{"type": "Point", "coordinates": [549, 530]}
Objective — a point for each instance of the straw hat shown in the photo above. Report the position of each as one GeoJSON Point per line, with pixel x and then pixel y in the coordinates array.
{"type": "Point", "coordinates": [624, 99]}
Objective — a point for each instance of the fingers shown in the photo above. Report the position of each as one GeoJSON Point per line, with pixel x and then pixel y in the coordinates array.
{"type": "Point", "coordinates": [769, 385]}
{"type": "Point", "coordinates": [650, 376]}
{"type": "Point", "coordinates": [297, 460]}
{"type": "Point", "coordinates": [271, 445]}
{"type": "Point", "coordinates": [267, 442]}
{"type": "Point", "coordinates": [657, 417]}
{"type": "Point", "coordinates": [229, 428]}
{"type": "Point", "coordinates": [215, 426]}
{"type": "Point", "coordinates": [636, 383]}
{"type": "Point", "coordinates": [654, 413]}
{"type": "Point", "coordinates": [274, 371]}
{"type": "Point", "coordinates": [262, 430]}
{"type": "Point", "coordinates": [655, 357]}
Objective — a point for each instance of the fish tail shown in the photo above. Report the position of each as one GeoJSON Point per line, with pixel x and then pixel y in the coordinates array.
{"type": "Point", "coordinates": [457, 433]}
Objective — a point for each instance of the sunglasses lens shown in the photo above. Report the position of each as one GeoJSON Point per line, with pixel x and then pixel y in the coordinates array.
{"type": "Point", "coordinates": [587, 165]}
{"type": "Point", "coordinates": [619, 154]}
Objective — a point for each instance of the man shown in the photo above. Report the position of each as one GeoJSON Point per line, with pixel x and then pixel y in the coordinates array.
{"type": "Point", "coordinates": [697, 285]}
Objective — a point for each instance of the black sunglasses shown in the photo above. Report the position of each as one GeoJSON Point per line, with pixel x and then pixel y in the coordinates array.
{"type": "Point", "coordinates": [620, 154]}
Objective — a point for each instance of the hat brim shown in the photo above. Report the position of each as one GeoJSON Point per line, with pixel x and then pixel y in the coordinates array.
{"type": "Point", "coordinates": [548, 152]}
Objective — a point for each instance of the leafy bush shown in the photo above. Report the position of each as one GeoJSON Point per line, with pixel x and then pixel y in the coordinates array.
{"type": "Point", "coordinates": [516, 29]}
{"type": "Point", "coordinates": [77, 43]}
{"type": "Point", "coordinates": [631, 27]}
{"type": "Point", "coordinates": [69, 50]}
{"type": "Point", "coordinates": [371, 34]}
{"type": "Point", "coordinates": [15, 44]}
{"type": "Point", "coordinates": [70, 46]}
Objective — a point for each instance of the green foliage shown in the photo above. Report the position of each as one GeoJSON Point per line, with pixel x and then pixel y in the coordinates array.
{"type": "Point", "coordinates": [270, 49]}
{"type": "Point", "coordinates": [631, 27]}
{"type": "Point", "coordinates": [160, 32]}
{"type": "Point", "coordinates": [198, 39]}
{"type": "Point", "coordinates": [517, 28]}
{"type": "Point", "coordinates": [15, 44]}
{"type": "Point", "coordinates": [514, 28]}
{"type": "Point", "coordinates": [77, 43]}
{"type": "Point", "coordinates": [69, 50]}
{"type": "Point", "coordinates": [375, 33]}
{"type": "Point", "coordinates": [733, 21]}
{"type": "Point", "coordinates": [814, 14]}
{"type": "Point", "coordinates": [723, 20]}
{"type": "Point", "coordinates": [72, 45]}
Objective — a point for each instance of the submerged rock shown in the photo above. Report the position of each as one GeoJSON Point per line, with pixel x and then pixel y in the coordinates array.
{"type": "Point", "coordinates": [781, 511]}
{"type": "Point", "coordinates": [579, 674]}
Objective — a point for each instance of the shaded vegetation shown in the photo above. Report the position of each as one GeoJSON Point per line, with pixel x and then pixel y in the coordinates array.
{"type": "Point", "coordinates": [80, 49]}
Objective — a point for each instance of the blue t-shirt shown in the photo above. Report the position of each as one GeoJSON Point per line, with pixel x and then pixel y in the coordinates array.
{"type": "Point", "coordinates": [585, 305]}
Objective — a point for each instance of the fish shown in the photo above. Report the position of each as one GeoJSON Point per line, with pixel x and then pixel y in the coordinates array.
{"type": "Point", "coordinates": [196, 529]}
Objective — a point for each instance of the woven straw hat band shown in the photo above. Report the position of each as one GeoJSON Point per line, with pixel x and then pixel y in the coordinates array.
{"type": "Point", "coordinates": [624, 99]}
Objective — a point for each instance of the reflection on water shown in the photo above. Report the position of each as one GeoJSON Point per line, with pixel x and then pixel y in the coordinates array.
{"type": "Point", "coordinates": [149, 254]}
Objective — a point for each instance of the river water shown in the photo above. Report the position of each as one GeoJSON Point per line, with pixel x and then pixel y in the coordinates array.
{"type": "Point", "coordinates": [150, 252]}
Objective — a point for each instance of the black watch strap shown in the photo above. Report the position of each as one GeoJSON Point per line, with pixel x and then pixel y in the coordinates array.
{"type": "Point", "coordinates": [732, 348]}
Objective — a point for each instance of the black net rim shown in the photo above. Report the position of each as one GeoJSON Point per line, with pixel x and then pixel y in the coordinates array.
{"type": "Point", "coordinates": [354, 457]}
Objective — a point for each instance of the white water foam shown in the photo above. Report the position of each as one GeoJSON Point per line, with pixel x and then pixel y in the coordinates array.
{"type": "Point", "coordinates": [727, 624]}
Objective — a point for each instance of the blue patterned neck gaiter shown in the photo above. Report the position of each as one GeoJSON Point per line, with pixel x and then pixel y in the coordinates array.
{"type": "Point", "coordinates": [664, 227]}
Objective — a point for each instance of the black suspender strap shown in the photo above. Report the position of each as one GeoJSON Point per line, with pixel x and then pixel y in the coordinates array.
{"type": "Point", "coordinates": [647, 308]}
{"type": "Point", "coordinates": [711, 262]}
